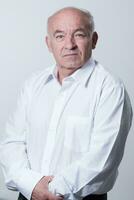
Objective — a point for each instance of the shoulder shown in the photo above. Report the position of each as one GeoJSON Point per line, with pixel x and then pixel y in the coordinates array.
{"type": "Point", "coordinates": [37, 79]}
{"type": "Point", "coordinates": [107, 79]}
{"type": "Point", "coordinates": [107, 85]}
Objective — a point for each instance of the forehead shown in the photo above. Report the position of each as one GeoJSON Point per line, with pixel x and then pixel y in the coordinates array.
{"type": "Point", "coordinates": [68, 19]}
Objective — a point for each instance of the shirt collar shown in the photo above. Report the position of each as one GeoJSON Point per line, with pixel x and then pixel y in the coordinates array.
{"type": "Point", "coordinates": [50, 74]}
{"type": "Point", "coordinates": [81, 75]}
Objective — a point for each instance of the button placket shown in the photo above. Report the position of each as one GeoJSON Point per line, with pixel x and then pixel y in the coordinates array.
{"type": "Point", "coordinates": [58, 108]}
{"type": "Point", "coordinates": [60, 103]}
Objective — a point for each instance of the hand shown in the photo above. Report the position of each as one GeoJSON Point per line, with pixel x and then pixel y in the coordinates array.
{"type": "Point", "coordinates": [41, 192]}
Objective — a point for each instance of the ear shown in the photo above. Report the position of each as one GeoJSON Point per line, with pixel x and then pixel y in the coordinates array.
{"type": "Point", "coordinates": [94, 40]}
{"type": "Point", "coordinates": [48, 43]}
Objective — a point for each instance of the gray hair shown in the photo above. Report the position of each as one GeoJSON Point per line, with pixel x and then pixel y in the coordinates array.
{"type": "Point", "coordinates": [83, 11]}
{"type": "Point", "coordinates": [90, 19]}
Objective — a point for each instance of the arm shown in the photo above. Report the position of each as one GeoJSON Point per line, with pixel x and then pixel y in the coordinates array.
{"type": "Point", "coordinates": [13, 150]}
{"type": "Point", "coordinates": [112, 122]}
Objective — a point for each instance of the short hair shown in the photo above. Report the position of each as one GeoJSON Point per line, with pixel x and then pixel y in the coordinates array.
{"type": "Point", "coordinates": [83, 11]}
{"type": "Point", "coordinates": [90, 18]}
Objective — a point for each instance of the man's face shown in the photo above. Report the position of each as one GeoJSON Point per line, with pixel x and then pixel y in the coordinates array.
{"type": "Point", "coordinates": [70, 40]}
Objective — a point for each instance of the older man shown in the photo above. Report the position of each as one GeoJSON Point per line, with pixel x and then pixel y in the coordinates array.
{"type": "Point", "coordinates": [67, 136]}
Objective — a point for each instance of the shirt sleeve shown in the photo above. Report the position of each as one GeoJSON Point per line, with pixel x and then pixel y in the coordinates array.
{"type": "Point", "coordinates": [93, 172]}
{"type": "Point", "coordinates": [13, 153]}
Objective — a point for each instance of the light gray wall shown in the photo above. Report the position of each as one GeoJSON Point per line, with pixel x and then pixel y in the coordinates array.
{"type": "Point", "coordinates": [23, 50]}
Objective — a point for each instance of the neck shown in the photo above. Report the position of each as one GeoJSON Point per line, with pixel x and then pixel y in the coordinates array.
{"type": "Point", "coordinates": [64, 72]}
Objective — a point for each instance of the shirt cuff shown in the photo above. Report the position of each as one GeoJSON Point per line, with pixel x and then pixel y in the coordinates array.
{"type": "Point", "coordinates": [27, 181]}
{"type": "Point", "coordinates": [59, 186]}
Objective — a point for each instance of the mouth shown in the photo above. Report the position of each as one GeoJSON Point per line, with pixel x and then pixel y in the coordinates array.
{"type": "Point", "coordinates": [71, 54]}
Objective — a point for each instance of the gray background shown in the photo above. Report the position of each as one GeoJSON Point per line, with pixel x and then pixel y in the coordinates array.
{"type": "Point", "coordinates": [23, 51]}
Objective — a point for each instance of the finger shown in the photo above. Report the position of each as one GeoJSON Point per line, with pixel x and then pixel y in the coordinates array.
{"type": "Point", "coordinates": [52, 177]}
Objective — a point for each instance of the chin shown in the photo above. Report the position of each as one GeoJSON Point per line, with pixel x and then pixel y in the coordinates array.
{"type": "Point", "coordinates": [72, 65]}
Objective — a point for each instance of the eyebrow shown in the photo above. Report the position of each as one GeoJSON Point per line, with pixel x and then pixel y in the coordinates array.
{"type": "Point", "coordinates": [76, 30]}
{"type": "Point", "coordinates": [80, 29]}
{"type": "Point", "coordinates": [58, 31]}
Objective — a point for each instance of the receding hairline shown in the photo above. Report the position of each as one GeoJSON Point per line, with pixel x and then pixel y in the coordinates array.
{"type": "Point", "coordinates": [85, 12]}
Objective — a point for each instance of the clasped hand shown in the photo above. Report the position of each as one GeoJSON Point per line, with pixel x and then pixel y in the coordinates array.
{"type": "Point", "coordinates": [41, 191]}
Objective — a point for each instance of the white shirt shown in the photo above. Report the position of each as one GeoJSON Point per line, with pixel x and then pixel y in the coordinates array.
{"type": "Point", "coordinates": [75, 131]}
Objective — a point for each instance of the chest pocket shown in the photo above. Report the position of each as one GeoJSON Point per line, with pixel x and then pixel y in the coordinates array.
{"type": "Point", "coordinates": [77, 134]}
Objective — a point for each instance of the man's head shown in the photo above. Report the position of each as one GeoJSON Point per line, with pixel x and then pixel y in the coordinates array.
{"type": "Point", "coordinates": [71, 37]}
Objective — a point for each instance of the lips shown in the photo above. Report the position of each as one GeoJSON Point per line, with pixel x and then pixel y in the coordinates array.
{"type": "Point", "coordinates": [72, 54]}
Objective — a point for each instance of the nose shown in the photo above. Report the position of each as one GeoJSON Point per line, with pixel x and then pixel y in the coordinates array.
{"type": "Point", "coordinates": [70, 43]}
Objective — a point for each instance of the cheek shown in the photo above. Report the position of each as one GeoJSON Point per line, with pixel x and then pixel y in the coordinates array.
{"type": "Point", "coordinates": [84, 48]}
{"type": "Point", "coordinates": [88, 48]}
{"type": "Point", "coordinates": [56, 49]}
{"type": "Point", "coordinates": [83, 43]}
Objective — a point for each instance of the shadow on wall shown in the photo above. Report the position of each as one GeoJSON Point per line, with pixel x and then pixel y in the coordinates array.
{"type": "Point", "coordinates": [3, 199]}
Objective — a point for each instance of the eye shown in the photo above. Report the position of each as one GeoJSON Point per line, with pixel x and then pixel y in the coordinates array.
{"type": "Point", "coordinates": [59, 37]}
{"type": "Point", "coordinates": [80, 35]}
